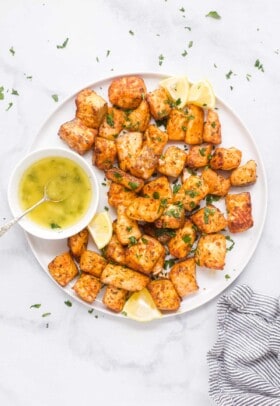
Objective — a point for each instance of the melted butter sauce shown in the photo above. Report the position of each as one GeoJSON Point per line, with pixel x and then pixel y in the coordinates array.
{"type": "Point", "coordinates": [66, 180]}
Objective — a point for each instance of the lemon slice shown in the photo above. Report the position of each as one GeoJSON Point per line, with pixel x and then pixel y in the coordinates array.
{"type": "Point", "coordinates": [178, 89]}
{"type": "Point", "coordinates": [202, 94]}
{"type": "Point", "coordinates": [141, 307]}
{"type": "Point", "coordinates": [100, 228]}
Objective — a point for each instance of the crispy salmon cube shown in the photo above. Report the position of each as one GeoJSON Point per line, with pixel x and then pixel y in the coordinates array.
{"type": "Point", "coordinates": [63, 268]}
{"type": "Point", "coordinates": [212, 128]}
{"type": "Point", "coordinates": [144, 254]}
{"type": "Point", "coordinates": [239, 212]}
{"type": "Point", "coordinates": [172, 162]}
{"type": "Point", "coordinates": [155, 139]}
{"type": "Point", "coordinates": [129, 145]}
{"type": "Point", "coordinates": [159, 265]}
{"type": "Point", "coordinates": [244, 175]}
{"type": "Point", "coordinates": [211, 251]}
{"type": "Point", "coordinates": [87, 287]}
{"type": "Point", "coordinates": [177, 125]}
{"type": "Point", "coordinates": [209, 219]}
{"type": "Point", "coordinates": [183, 277]}
{"type": "Point", "coordinates": [194, 133]}
{"type": "Point", "coordinates": [114, 298]}
{"type": "Point", "coordinates": [105, 152]}
{"type": "Point", "coordinates": [127, 92]}
{"type": "Point", "coordinates": [77, 135]}
{"type": "Point", "coordinates": [92, 263]}
{"type": "Point", "coordinates": [158, 188]}
{"type": "Point", "coordinates": [173, 216]}
{"type": "Point", "coordinates": [138, 119]}
{"type": "Point", "coordinates": [181, 244]}
{"type": "Point", "coordinates": [199, 156]}
{"type": "Point", "coordinates": [226, 158]}
{"type": "Point", "coordinates": [112, 124]}
{"type": "Point", "coordinates": [126, 228]}
{"type": "Point", "coordinates": [124, 278]}
{"type": "Point", "coordinates": [91, 108]}
{"type": "Point", "coordinates": [114, 251]}
{"type": "Point", "coordinates": [78, 243]}
{"type": "Point", "coordinates": [130, 182]}
{"type": "Point", "coordinates": [145, 163]}
{"type": "Point", "coordinates": [218, 185]}
{"type": "Point", "coordinates": [120, 195]}
{"type": "Point", "coordinates": [164, 294]}
{"type": "Point", "coordinates": [159, 103]}
{"type": "Point", "coordinates": [191, 192]}
{"type": "Point", "coordinates": [145, 209]}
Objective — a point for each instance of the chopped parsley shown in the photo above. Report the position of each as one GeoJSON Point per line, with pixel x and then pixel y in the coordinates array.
{"type": "Point", "coordinates": [190, 44]}
{"type": "Point", "coordinates": [202, 151]}
{"type": "Point", "coordinates": [144, 240]}
{"type": "Point", "coordinates": [176, 213]}
{"type": "Point", "coordinates": [110, 120]}
{"type": "Point", "coordinates": [212, 198]}
{"type": "Point", "coordinates": [46, 314]}
{"type": "Point", "coordinates": [108, 53]}
{"type": "Point", "coordinates": [55, 97]}
{"type": "Point", "coordinates": [156, 195]}
{"type": "Point", "coordinates": [160, 59]}
{"type": "Point", "coordinates": [187, 239]}
{"type": "Point", "coordinates": [228, 238]}
{"type": "Point", "coordinates": [248, 77]}
{"type": "Point", "coordinates": [118, 175]}
{"type": "Point", "coordinates": [63, 45]}
{"type": "Point", "coordinates": [124, 313]}
{"type": "Point", "coordinates": [176, 188]}
{"type": "Point", "coordinates": [131, 32]}
{"type": "Point", "coordinates": [228, 75]}
{"type": "Point", "coordinates": [15, 92]}
{"type": "Point", "coordinates": [2, 93]}
{"type": "Point", "coordinates": [184, 53]}
{"type": "Point", "coordinates": [132, 241]}
{"type": "Point", "coordinates": [227, 276]}
{"type": "Point", "coordinates": [208, 212]}
{"type": "Point", "coordinates": [159, 232]}
{"type": "Point", "coordinates": [35, 306]}
{"type": "Point", "coordinates": [54, 225]}
{"type": "Point", "coordinates": [68, 303]}
{"type": "Point", "coordinates": [133, 185]}
{"type": "Point", "coordinates": [9, 106]}
{"type": "Point", "coordinates": [214, 14]}
{"type": "Point", "coordinates": [168, 263]}
{"type": "Point", "coordinates": [12, 51]}
{"type": "Point", "coordinates": [259, 65]}
{"type": "Point", "coordinates": [90, 311]}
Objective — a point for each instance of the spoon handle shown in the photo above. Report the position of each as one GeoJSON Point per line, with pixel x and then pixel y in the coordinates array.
{"type": "Point", "coordinates": [9, 224]}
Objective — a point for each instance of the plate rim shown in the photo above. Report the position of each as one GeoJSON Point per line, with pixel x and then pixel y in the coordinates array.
{"type": "Point", "coordinates": [215, 291]}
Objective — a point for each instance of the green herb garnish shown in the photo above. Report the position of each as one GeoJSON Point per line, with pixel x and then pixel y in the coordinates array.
{"type": "Point", "coordinates": [35, 306]}
{"type": "Point", "coordinates": [54, 225]}
{"type": "Point", "coordinates": [63, 45]}
{"type": "Point", "coordinates": [214, 14]}
{"type": "Point", "coordinates": [68, 303]}
{"type": "Point", "coordinates": [228, 238]}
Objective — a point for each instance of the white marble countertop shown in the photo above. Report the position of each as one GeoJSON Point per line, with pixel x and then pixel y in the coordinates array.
{"type": "Point", "coordinates": [73, 357]}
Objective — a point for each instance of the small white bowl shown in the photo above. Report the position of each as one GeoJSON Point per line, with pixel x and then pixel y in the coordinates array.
{"type": "Point", "coordinates": [13, 194]}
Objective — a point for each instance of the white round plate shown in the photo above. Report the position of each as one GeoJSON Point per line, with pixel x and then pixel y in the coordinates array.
{"type": "Point", "coordinates": [211, 283]}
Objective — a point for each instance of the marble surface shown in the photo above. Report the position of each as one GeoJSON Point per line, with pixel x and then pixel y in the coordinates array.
{"type": "Point", "coordinates": [73, 357]}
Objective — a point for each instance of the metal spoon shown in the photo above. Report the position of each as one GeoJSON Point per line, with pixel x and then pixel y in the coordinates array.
{"type": "Point", "coordinates": [45, 198]}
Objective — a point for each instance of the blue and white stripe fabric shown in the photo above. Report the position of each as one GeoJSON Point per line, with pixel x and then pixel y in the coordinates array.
{"type": "Point", "coordinates": [244, 363]}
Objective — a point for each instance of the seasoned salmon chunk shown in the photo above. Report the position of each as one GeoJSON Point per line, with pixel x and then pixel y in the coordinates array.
{"type": "Point", "coordinates": [77, 135]}
{"type": "Point", "coordinates": [63, 268]}
{"type": "Point", "coordinates": [87, 287]}
{"type": "Point", "coordinates": [127, 92]}
{"type": "Point", "coordinates": [239, 212]}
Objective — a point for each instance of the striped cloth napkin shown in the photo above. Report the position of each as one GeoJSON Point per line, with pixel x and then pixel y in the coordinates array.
{"type": "Point", "coordinates": [244, 363]}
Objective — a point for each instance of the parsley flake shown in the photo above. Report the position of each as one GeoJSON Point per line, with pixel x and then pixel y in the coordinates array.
{"type": "Point", "coordinates": [214, 14]}
{"type": "Point", "coordinates": [259, 65]}
{"type": "Point", "coordinates": [55, 97]}
{"type": "Point", "coordinates": [15, 92]}
{"type": "Point", "coordinates": [228, 75]}
{"type": "Point", "coordinates": [12, 51]}
{"type": "Point", "coordinates": [160, 59]}
{"type": "Point", "coordinates": [2, 93]}
{"type": "Point", "coordinates": [63, 45]}
{"type": "Point", "coordinates": [68, 303]}
{"type": "Point", "coordinates": [46, 314]}
{"type": "Point", "coordinates": [35, 306]}
{"type": "Point", "coordinates": [9, 106]}
{"type": "Point", "coordinates": [184, 53]}
{"type": "Point", "coordinates": [228, 238]}
{"type": "Point", "coordinates": [131, 32]}
{"type": "Point", "coordinates": [227, 276]}
{"type": "Point", "coordinates": [190, 44]}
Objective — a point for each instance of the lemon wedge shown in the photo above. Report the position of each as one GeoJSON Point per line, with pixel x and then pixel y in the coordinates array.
{"type": "Point", "coordinates": [141, 307]}
{"type": "Point", "coordinates": [100, 228]}
{"type": "Point", "coordinates": [178, 89]}
{"type": "Point", "coordinates": [202, 94]}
